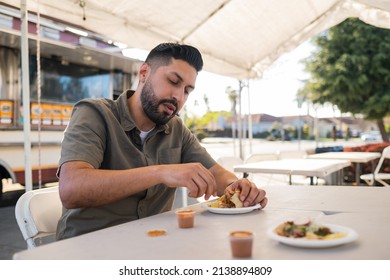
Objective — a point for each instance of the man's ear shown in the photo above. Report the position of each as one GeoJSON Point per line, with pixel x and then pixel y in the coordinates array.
{"type": "Point", "coordinates": [143, 72]}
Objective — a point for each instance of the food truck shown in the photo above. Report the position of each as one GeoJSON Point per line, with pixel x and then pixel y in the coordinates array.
{"type": "Point", "coordinates": [73, 64]}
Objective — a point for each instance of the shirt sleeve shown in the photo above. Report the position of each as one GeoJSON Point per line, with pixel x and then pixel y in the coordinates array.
{"type": "Point", "coordinates": [193, 151]}
{"type": "Point", "coordinates": [84, 138]}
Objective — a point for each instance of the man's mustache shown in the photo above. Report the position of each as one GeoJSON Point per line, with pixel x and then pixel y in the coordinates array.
{"type": "Point", "coordinates": [171, 101]}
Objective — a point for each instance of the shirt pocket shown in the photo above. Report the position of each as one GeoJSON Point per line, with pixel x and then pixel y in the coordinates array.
{"type": "Point", "coordinates": [169, 156]}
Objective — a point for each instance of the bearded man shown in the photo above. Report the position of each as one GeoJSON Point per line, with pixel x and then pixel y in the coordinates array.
{"type": "Point", "coordinates": [123, 160]}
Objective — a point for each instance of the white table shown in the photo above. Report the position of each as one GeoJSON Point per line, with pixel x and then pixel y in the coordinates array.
{"type": "Point", "coordinates": [364, 209]}
{"type": "Point", "coordinates": [355, 157]}
{"type": "Point", "coordinates": [306, 167]}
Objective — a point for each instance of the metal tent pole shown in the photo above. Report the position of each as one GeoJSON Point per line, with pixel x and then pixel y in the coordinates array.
{"type": "Point", "coordinates": [26, 95]}
{"type": "Point", "coordinates": [250, 128]}
{"type": "Point", "coordinates": [239, 128]}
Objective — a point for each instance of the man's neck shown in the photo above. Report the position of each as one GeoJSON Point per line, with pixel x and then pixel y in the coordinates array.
{"type": "Point", "coordinates": [141, 121]}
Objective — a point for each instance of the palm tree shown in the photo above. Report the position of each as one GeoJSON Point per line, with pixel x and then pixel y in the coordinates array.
{"type": "Point", "coordinates": [233, 95]}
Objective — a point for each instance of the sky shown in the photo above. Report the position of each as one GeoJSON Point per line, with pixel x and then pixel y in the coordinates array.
{"type": "Point", "coordinates": [273, 94]}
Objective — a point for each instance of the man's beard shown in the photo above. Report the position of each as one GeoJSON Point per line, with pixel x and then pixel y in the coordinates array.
{"type": "Point", "coordinates": [150, 105]}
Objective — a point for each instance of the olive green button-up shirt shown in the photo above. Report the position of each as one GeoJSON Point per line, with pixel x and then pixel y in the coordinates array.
{"type": "Point", "coordinates": [102, 133]}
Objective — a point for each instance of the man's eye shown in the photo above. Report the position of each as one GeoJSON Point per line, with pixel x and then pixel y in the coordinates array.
{"type": "Point", "coordinates": [174, 82]}
{"type": "Point", "coordinates": [188, 90]}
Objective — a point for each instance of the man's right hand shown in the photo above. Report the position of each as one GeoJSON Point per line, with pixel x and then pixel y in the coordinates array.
{"type": "Point", "coordinates": [194, 176]}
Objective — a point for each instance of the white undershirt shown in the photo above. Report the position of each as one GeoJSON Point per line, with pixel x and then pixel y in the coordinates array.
{"type": "Point", "coordinates": [144, 134]}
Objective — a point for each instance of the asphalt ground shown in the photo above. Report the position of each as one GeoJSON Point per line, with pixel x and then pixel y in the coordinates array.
{"type": "Point", "coordinates": [11, 239]}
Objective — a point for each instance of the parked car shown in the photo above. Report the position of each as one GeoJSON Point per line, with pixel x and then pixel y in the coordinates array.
{"type": "Point", "coordinates": [371, 136]}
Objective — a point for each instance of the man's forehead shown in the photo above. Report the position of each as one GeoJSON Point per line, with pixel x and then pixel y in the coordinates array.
{"type": "Point", "coordinates": [183, 68]}
{"type": "Point", "coordinates": [180, 62]}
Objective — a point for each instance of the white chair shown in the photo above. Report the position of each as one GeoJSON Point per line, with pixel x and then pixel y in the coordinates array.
{"type": "Point", "coordinates": [229, 162]}
{"type": "Point", "coordinates": [37, 213]}
{"type": "Point", "coordinates": [261, 178]}
{"type": "Point", "coordinates": [291, 154]}
{"type": "Point", "coordinates": [377, 176]}
{"type": "Point", "coordinates": [260, 157]}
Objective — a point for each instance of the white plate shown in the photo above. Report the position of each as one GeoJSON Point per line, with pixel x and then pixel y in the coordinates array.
{"type": "Point", "coordinates": [350, 236]}
{"type": "Point", "coordinates": [231, 211]}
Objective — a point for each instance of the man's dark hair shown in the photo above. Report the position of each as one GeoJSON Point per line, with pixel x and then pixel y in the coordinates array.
{"type": "Point", "coordinates": [163, 53]}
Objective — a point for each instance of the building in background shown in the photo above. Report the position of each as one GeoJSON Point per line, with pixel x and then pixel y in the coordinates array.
{"type": "Point", "coordinates": [74, 64]}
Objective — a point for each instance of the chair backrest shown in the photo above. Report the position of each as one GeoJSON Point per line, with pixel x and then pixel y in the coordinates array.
{"type": "Point", "coordinates": [229, 162]}
{"type": "Point", "coordinates": [291, 154]}
{"type": "Point", "coordinates": [261, 157]}
{"type": "Point", "coordinates": [385, 155]}
{"type": "Point", "coordinates": [37, 213]}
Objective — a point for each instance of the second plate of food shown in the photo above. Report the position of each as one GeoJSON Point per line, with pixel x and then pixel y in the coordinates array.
{"type": "Point", "coordinates": [342, 234]}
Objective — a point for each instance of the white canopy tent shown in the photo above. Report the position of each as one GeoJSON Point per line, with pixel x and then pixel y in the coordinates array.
{"type": "Point", "coordinates": [238, 38]}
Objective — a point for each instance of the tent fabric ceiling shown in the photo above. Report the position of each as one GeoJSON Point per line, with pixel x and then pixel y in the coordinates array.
{"type": "Point", "coordinates": [238, 38]}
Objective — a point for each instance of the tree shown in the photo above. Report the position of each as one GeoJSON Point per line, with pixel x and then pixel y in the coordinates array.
{"type": "Point", "coordinates": [233, 96]}
{"type": "Point", "coordinates": [351, 69]}
{"type": "Point", "coordinates": [207, 102]}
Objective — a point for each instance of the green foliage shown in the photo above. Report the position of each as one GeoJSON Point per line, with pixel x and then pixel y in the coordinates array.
{"type": "Point", "coordinates": [200, 134]}
{"type": "Point", "coordinates": [200, 123]}
{"type": "Point", "coordinates": [351, 69]}
{"type": "Point", "coordinates": [208, 118]}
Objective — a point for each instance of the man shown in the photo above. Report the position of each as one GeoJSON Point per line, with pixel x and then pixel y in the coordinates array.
{"type": "Point", "coordinates": [123, 160]}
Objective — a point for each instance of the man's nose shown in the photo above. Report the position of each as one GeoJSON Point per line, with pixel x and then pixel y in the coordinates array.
{"type": "Point", "coordinates": [178, 94]}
